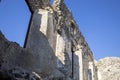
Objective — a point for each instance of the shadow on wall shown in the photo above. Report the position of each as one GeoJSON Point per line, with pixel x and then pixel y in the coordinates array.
{"type": "Point", "coordinates": [38, 44]}
{"type": "Point", "coordinates": [76, 68]}
{"type": "Point", "coordinates": [26, 37]}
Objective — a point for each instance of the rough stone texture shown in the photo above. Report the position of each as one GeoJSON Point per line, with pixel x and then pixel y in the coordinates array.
{"type": "Point", "coordinates": [38, 42]}
{"type": "Point", "coordinates": [73, 45]}
{"type": "Point", "coordinates": [37, 4]}
{"type": "Point", "coordinates": [12, 55]}
{"type": "Point", "coordinates": [54, 49]}
{"type": "Point", "coordinates": [109, 68]}
{"type": "Point", "coordinates": [56, 23]}
{"type": "Point", "coordinates": [18, 73]}
{"type": "Point", "coordinates": [41, 41]}
{"type": "Point", "coordinates": [16, 63]}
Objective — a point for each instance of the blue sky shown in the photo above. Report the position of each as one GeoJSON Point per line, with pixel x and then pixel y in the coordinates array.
{"type": "Point", "coordinates": [98, 20]}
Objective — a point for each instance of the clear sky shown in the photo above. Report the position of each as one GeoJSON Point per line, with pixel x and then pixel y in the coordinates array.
{"type": "Point", "coordinates": [98, 20]}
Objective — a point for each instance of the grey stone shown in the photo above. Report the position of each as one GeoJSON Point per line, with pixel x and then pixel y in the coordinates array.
{"type": "Point", "coordinates": [55, 49]}
{"type": "Point", "coordinates": [38, 42]}
{"type": "Point", "coordinates": [13, 55]}
{"type": "Point", "coordinates": [18, 73]}
{"type": "Point", "coordinates": [37, 4]}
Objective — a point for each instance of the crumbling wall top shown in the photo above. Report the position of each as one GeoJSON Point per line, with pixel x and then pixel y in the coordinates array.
{"type": "Point", "coordinates": [37, 4]}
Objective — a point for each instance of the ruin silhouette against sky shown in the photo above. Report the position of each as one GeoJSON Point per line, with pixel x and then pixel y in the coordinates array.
{"type": "Point", "coordinates": [98, 20]}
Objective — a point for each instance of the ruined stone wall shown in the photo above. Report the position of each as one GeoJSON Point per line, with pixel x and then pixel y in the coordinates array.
{"type": "Point", "coordinates": [69, 29]}
{"type": "Point", "coordinates": [37, 4]}
{"type": "Point", "coordinates": [74, 58]}
{"type": "Point", "coordinates": [55, 49]}
{"type": "Point", "coordinates": [17, 63]}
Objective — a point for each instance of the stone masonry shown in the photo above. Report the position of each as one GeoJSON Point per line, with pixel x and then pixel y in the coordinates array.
{"type": "Point", "coordinates": [54, 35]}
{"type": "Point", "coordinates": [54, 48]}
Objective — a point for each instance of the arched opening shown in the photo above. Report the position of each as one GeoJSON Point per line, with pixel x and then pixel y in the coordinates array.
{"type": "Point", "coordinates": [14, 20]}
{"type": "Point", "coordinates": [51, 2]}
{"type": "Point", "coordinates": [89, 74]}
{"type": "Point", "coordinates": [72, 28]}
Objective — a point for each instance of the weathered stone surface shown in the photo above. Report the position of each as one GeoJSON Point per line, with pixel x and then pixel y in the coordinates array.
{"type": "Point", "coordinates": [38, 4]}
{"type": "Point", "coordinates": [71, 42]}
{"type": "Point", "coordinates": [109, 68]}
{"type": "Point", "coordinates": [64, 38]}
{"type": "Point", "coordinates": [54, 49]}
{"type": "Point", "coordinates": [38, 42]}
{"type": "Point", "coordinates": [11, 55]}
{"type": "Point", "coordinates": [18, 73]}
